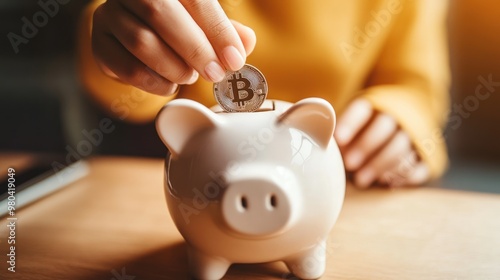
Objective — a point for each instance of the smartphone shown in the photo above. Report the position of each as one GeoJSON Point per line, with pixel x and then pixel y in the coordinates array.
{"type": "Point", "coordinates": [27, 178]}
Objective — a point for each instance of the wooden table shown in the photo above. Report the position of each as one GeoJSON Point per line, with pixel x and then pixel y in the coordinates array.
{"type": "Point", "coordinates": [114, 224]}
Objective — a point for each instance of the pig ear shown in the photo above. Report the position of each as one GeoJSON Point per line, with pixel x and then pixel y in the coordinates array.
{"type": "Point", "coordinates": [314, 116]}
{"type": "Point", "coordinates": [180, 120]}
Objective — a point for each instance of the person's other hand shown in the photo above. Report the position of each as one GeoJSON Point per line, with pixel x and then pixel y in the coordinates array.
{"type": "Point", "coordinates": [376, 150]}
{"type": "Point", "coordinates": [167, 41]}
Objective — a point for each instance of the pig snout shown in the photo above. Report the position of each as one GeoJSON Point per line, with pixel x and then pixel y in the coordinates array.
{"type": "Point", "coordinates": [261, 205]}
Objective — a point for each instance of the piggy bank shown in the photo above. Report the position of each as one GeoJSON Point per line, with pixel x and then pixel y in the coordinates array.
{"type": "Point", "coordinates": [253, 187]}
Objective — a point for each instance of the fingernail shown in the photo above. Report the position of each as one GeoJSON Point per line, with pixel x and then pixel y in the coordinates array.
{"type": "Point", "coordinates": [175, 90]}
{"type": "Point", "coordinates": [353, 160]}
{"type": "Point", "coordinates": [365, 178]}
{"type": "Point", "coordinates": [233, 58]}
{"type": "Point", "coordinates": [215, 72]}
{"type": "Point", "coordinates": [193, 78]}
{"type": "Point", "coordinates": [342, 135]}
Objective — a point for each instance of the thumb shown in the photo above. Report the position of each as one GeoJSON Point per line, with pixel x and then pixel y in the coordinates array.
{"type": "Point", "coordinates": [247, 36]}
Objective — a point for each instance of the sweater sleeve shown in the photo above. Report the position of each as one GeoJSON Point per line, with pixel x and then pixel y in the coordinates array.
{"type": "Point", "coordinates": [411, 78]}
{"type": "Point", "coordinates": [118, 99]}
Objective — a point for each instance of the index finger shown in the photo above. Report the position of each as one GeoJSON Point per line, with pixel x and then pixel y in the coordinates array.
{"type": "Point", "coordinates": [189, 38]}
{"type": "Point", "coordinates": [219, 30]}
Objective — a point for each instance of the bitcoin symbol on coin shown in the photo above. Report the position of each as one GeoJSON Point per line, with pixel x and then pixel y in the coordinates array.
{"type": "Point", "coordinates": [237, 80]}
{"type": "Point", "coordinates": [241, 91]}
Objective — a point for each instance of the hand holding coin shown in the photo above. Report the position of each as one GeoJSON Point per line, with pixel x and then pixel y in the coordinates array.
{"type": "Point", "coordinates": [241, 91]}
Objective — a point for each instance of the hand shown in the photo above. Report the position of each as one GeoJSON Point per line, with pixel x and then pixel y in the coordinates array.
{"type": "Point", "coordinates": [376, 150]}
{"type": "Point", "coordinates": [168, 42]}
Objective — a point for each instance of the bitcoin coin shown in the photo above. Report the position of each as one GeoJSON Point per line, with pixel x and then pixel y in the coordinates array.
{"type": "Point", "coordinates": [241, 91]}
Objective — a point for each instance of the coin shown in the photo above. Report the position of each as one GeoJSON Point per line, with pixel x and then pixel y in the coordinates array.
{"type": "Point", "coordinates": [241, 91]}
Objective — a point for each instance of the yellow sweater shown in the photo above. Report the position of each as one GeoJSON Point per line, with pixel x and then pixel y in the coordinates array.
{"type": "Point", "coordinates": [392, 52]}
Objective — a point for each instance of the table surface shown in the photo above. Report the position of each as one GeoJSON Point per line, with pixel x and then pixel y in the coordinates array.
{"type": "Point", "coordinates": [114, 224]}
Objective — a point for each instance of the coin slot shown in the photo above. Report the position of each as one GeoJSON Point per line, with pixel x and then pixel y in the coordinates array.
{"type": "Point", "coordinates": [268, 106]}
{"type": "Point", "coordinates": [264, 110]}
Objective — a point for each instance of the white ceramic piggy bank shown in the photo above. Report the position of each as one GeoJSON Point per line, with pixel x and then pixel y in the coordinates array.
{"type": "Point", "coordinates": [253, 187]}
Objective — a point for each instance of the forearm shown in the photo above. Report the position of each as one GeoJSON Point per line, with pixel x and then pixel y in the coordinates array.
{"type": "Point", "coordinates": [411, 79]}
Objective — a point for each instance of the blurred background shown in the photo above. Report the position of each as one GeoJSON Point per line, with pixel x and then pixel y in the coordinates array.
{"type": "Point", "coordinates": [44, 109]}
